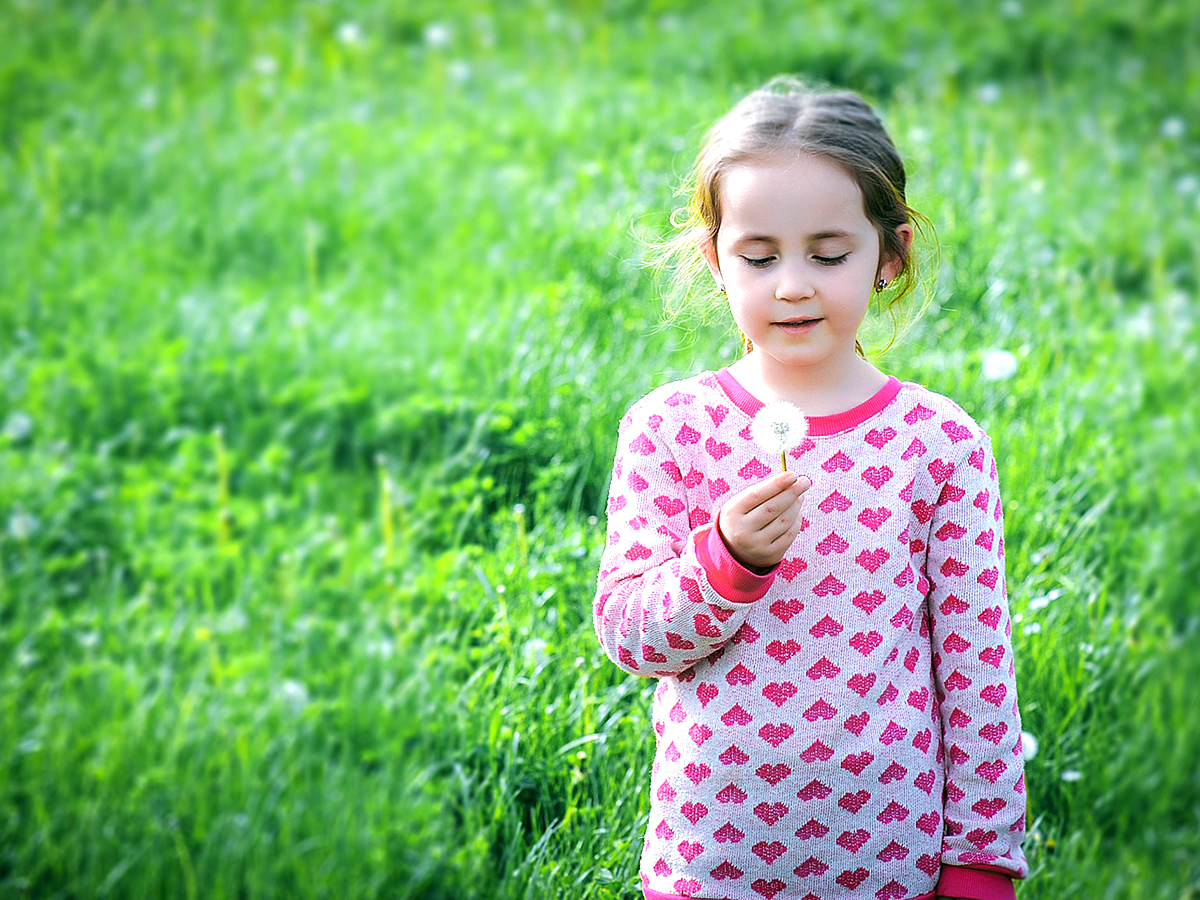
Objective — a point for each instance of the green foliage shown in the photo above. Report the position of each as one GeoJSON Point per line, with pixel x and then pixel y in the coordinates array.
{"type": "Point", "coordinates": [317, 320]}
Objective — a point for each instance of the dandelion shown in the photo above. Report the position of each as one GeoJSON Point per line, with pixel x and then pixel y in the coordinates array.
{"type": "Point", "coordinates": [1173, 127]}
{"type": "Point", "coordinates": [437, 35]}
{"type": "Point", "coordinates": [350, 34]}
{"type": "Point", "coordinates": [265, 65]}
{"type": "Point", "coordinates": [458, 71]}
{"type": "Point", "coordinates": [988, 92]}
{"type": "Point", "coordinates": [1029, 745]}
{"type": "Point", "coordinates": [294, 694]}
{"type": "Point", "coordinates": [22, 525]}
{"type": "Point", "coordinates": [999, 365]}
{"type": "Point", "coordinates": [1071, 775]}
{"type": "Point", "coordinates": [778, 427]}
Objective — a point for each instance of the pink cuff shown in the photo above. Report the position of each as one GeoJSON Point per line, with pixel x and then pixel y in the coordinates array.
{"type": "Point", "coordinates": [981, 884]}
{"type": "Point", "coordinates": [729, 578]}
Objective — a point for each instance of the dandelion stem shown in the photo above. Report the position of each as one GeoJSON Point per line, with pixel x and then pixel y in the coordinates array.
{"type": "Point", "coordinates": [783, 456]}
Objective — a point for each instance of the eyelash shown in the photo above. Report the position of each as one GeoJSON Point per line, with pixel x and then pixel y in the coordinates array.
{"type": "Point", "coordinates": [762, 263]}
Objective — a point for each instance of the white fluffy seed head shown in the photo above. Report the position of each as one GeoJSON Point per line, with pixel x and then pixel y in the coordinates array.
{"type": "Point", "coordinates": [778, 426]}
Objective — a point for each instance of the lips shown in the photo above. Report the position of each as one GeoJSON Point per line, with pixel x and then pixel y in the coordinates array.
{"type": "Point", "coordinates": [797, 321]}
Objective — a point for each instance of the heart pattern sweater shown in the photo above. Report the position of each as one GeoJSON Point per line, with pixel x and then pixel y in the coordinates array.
{"type": "Point", "coordinates": [845, 725]}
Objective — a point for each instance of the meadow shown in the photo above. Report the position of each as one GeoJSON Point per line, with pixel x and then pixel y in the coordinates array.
{"type": "Point", "coordinates": [317, 320]}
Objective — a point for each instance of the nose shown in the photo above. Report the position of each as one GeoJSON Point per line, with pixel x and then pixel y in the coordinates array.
{"type": "Point", "coordinates": [795, 280]}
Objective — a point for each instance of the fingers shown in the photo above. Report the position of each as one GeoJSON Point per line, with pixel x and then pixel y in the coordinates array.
{"type": "Point", "coordinates": [763, 492]}
{"type": "Point", "coordinates": [778, 507]}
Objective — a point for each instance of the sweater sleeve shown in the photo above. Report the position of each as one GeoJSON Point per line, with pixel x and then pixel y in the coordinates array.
{"type": "Point", "coordinates": [976, 682]}
{"type": "Point", "coordinates": [668, 595]}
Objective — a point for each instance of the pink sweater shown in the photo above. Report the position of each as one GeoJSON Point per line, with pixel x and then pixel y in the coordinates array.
{"type": "Point", "coordinates": [846, 725]}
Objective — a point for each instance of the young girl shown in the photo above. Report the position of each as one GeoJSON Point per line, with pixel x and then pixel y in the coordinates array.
{"type": "Point", "coordinates": [836, 713]}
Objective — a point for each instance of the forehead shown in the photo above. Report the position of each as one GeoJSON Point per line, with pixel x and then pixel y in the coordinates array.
{"type": "Point", "coordinates": [788, 196]}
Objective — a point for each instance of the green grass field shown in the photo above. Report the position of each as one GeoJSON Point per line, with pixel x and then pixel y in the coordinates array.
{"type": "Point", "coordinates": [316, 323]}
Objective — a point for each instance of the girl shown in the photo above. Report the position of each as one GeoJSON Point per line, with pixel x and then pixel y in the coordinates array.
{"type": "Point", "coordinates": [836, 713]}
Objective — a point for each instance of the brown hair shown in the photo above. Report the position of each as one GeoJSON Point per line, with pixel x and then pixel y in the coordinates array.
{"type": "Point", "coordinates": [787, 115]}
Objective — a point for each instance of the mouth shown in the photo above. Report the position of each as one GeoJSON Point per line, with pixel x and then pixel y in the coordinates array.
{"type": "Point", "coordinates": [797, 321]}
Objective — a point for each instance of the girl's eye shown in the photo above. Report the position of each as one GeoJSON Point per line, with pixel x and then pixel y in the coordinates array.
{"type": "Point", "coordinates": [758, 263]}
{"type": "Point", "coordinates": [831, 260]}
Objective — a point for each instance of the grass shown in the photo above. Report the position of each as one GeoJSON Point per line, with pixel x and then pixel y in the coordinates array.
{"type": "Point", "coordinates": [316, 322]}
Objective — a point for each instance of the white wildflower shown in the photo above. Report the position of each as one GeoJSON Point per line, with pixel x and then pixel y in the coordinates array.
{"type": "Point", "coordinates": [1071, 775]}
{"type": "Point", "coordinates": [350, 34]}
{"type": "Point", "coordinates": [265, 65]}
{"type": "Point", "coordinates": [1173, 127]}
{"type": "Point", "coordinates": [988, 92]}
{"type": "Point", "coordinates": [294, 694]}
{"type": "Point", "coordinates": [999, 365]}
{"type": "Point", "coordinates": [458, 71]}
{"type": "Point", "coordinates": [437, 35]}
{"type": "Point", "coordinates": [1032, 628]}
{"type": "Point", "coordinates": [778, 427]}
{"type": "Point", "coordinates": [18, 426]}
{"type": "Point", "coordinates": [1029, 745]}
{"type": "Point", "coordinates": [21, 525]}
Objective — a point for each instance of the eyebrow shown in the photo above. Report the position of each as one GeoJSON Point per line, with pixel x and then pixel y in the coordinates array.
{"type": "Point", "coordinates": [819, 236]}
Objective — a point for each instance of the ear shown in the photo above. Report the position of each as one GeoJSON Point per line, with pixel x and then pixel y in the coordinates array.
{"type": "Point", "coordinates": [709, 249]}
{"type": "Point", "coordinates": [892, 265]}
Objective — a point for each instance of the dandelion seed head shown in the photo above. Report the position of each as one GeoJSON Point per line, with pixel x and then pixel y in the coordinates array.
{"type": "Point", "coordinates": [779, 426]}
{"type": "Point", "coordinates": [350, 34]}
{"type": "Point", "coordinates": [1071, 775]}
{"type": "Point", "coordinates": [1029, 745]}
{"type": "Point", "coordinates": [1173, 127]}
{"type": "Point", "coordinates": [988, 92]}
{"type": "Point", "coordinates": [437, 35]}
{"type": "Point", "coordinates": [999, 365]}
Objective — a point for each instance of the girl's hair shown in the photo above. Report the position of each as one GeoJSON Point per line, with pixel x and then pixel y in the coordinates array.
{"type": "Point", "coordinates": [785, 115]}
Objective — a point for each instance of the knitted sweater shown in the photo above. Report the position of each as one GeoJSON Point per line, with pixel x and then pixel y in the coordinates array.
{"type": "Point", "coordinates": [845, 725]}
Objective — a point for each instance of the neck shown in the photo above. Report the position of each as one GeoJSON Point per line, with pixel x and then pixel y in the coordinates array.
{"type": "Point", "coordinates": [830, 387]}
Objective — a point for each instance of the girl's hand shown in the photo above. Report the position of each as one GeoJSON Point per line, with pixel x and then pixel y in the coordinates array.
{"type": "Point", "coordinates": [759, 524]}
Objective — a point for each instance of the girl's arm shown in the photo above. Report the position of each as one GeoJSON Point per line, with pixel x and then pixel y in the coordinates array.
{"type": "Point", "coordinates": [668, 594]}
{"type": "Point", "coordinates": [976, 682]}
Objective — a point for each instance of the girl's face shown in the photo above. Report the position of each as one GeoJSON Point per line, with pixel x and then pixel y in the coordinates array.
{"type": "Point", "coordinates": [795, 243]}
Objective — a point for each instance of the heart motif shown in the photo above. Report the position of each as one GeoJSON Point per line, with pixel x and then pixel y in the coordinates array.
{"type": "Point", "coordinates": [852, 878]}
{"type": "Point", "coordinates": [827, 627]}
{"type": "Point", "coordinates": [877, 438]}
{"type": "Point", "coordinates": [717, 488]}
{"type": "Point", "coordinates": [790, 568]}
{"type": "Point", "coordinates": [923, 740]}
{"type": "Point", "coordinates": [776, 734]}
{"type": "Point", "coordinates": [770, 812]}
{"type": "Point", "coordinates": [736, 716]}
{"type": "Point", "coordinates": [893, 812]}
{"type": "Point", "coordinates": [873, 518]}
{"type": "Point", "coordinates": [918, 413]}
{"type": "Point", "coordinates": [672, 506]}
{"type": "Point", "coordinates": [911, 658]}
{"type": "Point", "coordinates": [829, 585]}
{"type": "Point", "coordinates": [952, 605]}
{"type": "Point", "coordinates": [865, 642]}
{"type": "Point", "coordinates": [677, 714]}
{"type": "Point", "coordinates": [853, 802]}
{"type": "Point", "coordinates": [822, 668]}
{"type": "Point", "coordinates": [869, 602]}
{"type": "Point", "coordinates": [832, 543]}
{"type": "Point", "coordinates": [982, 501]}
{"type": "Point", "coordinates": [642, 445]}
{"type": "Point", "coordinates": [772, 774]}
{"type": "Point", "coordinates": [989, 577]}
{"type": "Point", "coordinates": [820, 710]}
{"type": "Point", "coordinates": [951, 531]}
{"type": "Point", "coordinates": [717, 413]}
{"type": "Point", "coordinates": [877, 476]}
{"type": "Point", "coordinates": [857, 762]}
{"type": "Point", "coordinates": [785, 609]}
{"type": "Point", "coordinates": [651, 655]}
{"type": "Point", "coordinates": [994, 732]}
{"type": "Point", "coordinates": [745, 634]}
{"type": "Point", "coordinates": [686, 887]}
{"type": "Point", "coordinates": [993, 656]}
{"type": "Point", "coordinates": [894, 772]}
{"type": "Point", "coordinates": [985, 539]}
{"type": "Point", "coordinates": [916, 448]}
{"type": "Point", "coordinates": [663, 832]}
{"type": "Point", "coordinates": [700, 733]}
{"type": "Point", "coordinates": [755, 470]}
{"type": "Point", "coordinates": [811, 866]}
{"type": "Point", "coordinates": [991, 770]}
{"type": "Point", "coordinates": [694, 812]}
{"type": "Point", "coordinates": [638, 551]}
{"type": "Point", "coordinates": [861, 684]}
{"type": "Point", "coordinates": [739, 674]}
{"type": "Point", "coordinates": [839, 462]}
{"type": "Point", "coordinates": [952, 567]}
{"type": "Point", "coordinates": [893, 733]}
{"type": "Point", "coordinates": [994, 694]}
{"type": "Point", "coordinates": [717, 449]}
{"type": "Point", "coordinates": [727, 869]}
{"type": "Point", "coordinates": [940, 470]}
{"type": "Point", "coordinates": [679, 642]}
{"type": "Point", "coordinates": [925, 781]}
{"type": "Point", "coordinates": [781, 652]}
{"type": "Point", "coordinates": [687, 435]}
{"type": "Point", "coordinates": [956, 432]}
{"type": "Point", "coordinates": [981, 838]}
{"type": "Point", "coordinates": [957, 681]}
{"type": "Point", "coordinates": [892, 851]}
{"type": "Point", "coordinates": [666, 792]}
{"type": "Point", "coordinates": [873, 560]}
{"type": "Point", "coordinates": [929, 864]}
{"type": "Point", "coordinates": [730, 794]}
{"type": "Point", "coordinates": [693, 478]}
{"type": "Point", "coordinates": [959, 719]}
{"type": "Point", "coordinates": [893, 890]}
{"type": "Point", "coordinates": [890, 693]}
{"type": "Point", "coordinates": [857, 722]}
{"type": "Point", "coordinates": [853, 840]}
{"type": "Point", "coordinates": [768, 852]}
{"type": "Point", "coordinates": [734, 756]}
{"type": "Point", "coordinates": [976, 458]}
{"type": "Point", "coordinates": [956, 643]}
{"type": "Point", "coordinates": [923, 511]}
{"type": "Point", "coordinates": [817, 752]}
{"type": "Point", "coordinates": [812, 829]}
{"type": "Point", "coordinates": [689, 850]}
{"type": "Point", "coordinates": [705, 627]}
{"type": "Point", "coordinates": [696, 772]}
{"type": "Point", "coordinates": [779, 694]}
{"type": "Point", "coordinates": [672, 752]}
{"type": "Point", "coordinates": [768, 889]}
{"type": "Point", "coordinates": [991, 617]}
{"type": "Point", "coordinates": [814, 790]}
{"type": "Point", "coordinates": [929, 823]}
{"type": "Point", "coordinates": [835, 502]}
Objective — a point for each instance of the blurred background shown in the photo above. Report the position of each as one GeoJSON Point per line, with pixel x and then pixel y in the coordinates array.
{"type": "Point", "coordinates": [317, 320]}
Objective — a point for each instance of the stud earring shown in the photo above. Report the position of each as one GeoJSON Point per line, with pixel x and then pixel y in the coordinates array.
{"type": "Point", "coordinates": [721, 286]}
{"type": "Point", "coordinates": [880, 285]}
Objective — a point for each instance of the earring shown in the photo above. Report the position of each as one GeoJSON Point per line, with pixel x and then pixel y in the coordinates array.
{"type": "Point", "coordinates": [721, 286]}
{"type": "Point", "coordinates": [880, 285]}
